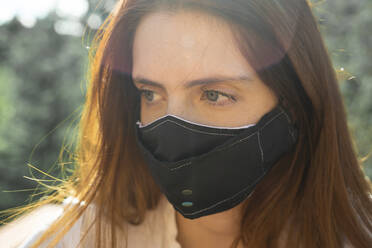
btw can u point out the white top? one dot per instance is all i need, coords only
(159, 230)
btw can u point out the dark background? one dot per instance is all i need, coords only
(43, 71)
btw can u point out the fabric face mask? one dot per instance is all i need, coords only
(203, 170)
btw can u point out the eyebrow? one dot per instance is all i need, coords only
(200, 81)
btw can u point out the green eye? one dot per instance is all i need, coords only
(148, 94)
(212, 97)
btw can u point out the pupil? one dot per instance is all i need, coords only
(149, 95)
(213, 95)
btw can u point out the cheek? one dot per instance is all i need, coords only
(267, 98)
(254, 106)
(146, 115)
(150, 113)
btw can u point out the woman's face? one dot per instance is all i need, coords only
(194, 71)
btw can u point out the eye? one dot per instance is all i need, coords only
(212, 97)
(148, 95)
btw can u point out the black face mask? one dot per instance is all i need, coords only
(203, 170)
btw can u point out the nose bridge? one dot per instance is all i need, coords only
(175, 106)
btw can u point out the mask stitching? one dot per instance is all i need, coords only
(276, 116)
(243, 139)
(193, 123)
(189, 128)
(192, 129)
(260, 145)
(188, 163)
(238, 141)
(227, 199)
(286, 115)
(292, 134)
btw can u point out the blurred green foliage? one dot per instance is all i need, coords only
(40, 78)
(346, 28)
(42, 87)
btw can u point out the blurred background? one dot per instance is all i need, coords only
(44, 47)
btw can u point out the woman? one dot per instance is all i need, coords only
(213, 123)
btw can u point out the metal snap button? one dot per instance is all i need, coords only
(187, 204)
(187, 192)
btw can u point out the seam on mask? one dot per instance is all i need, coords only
(260, 145)
(189, 128)
(275, 117)
(244, 139)
(199, 124)
(286, 115)
(289, 120)
(238, 141)
(188, 163)
(227, 199)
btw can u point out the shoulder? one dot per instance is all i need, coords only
(24, 231)
(158, 229)
(28, 226)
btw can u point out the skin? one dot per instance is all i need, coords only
(173, 49)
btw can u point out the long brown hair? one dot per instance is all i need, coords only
(317, 193)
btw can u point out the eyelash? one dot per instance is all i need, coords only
(231, 97)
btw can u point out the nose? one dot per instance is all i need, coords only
(176, 107)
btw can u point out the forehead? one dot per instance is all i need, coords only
(170, 47)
